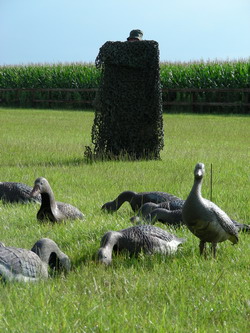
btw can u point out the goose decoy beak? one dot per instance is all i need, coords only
(35, 191)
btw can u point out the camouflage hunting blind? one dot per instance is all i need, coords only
(128, 106)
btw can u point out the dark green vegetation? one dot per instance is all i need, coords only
(183, 293)
(214, 74)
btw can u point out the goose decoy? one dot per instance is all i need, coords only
(146, 238)
(136, 200)
(241, 226)
(50, 209)
(166, 212)
(12, 192)
(18, 264)
(170, 213)
(204, 219)
(163, 215)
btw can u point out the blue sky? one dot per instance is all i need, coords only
(52, 31)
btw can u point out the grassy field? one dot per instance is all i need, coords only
(182, 293)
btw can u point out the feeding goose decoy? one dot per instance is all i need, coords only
(17, 264)
(50, 209)
(204, 219)
(146, 238)
(136, 200)
(13, 192)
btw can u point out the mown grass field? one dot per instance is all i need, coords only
(182, 293)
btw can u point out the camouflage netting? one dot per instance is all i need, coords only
(128, 118)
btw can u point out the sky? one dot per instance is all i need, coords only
(66, 31)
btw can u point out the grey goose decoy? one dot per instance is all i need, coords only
(50, 209)
(136, 200)
(170, 213)
(204, 219)
(14, 192)
(166, 212)
(17, 264)
(146, 238)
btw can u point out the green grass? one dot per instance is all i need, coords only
(182, 293)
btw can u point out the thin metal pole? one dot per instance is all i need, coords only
(211, 182)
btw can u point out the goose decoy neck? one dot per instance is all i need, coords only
(199, 171)
(42, 186)
(108, 241)
(116, 204)
(50, 254)
(43, 249)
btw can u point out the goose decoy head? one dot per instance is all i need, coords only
(199, 171)
(108, 242)
(109, 206)
(105, 256)
(40, 185)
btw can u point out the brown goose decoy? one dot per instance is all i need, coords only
(204, 219)
(12, 192)
(50, 209)
(18, 264)
(136, 200)
(146, 238)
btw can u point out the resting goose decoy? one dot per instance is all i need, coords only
(13, 192)
(136, 200)
(166, 212)
(204, 219)
(146, 238)
(18, 264)
(50, 209)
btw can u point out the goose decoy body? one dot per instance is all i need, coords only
(136, 200)
(146, 238)
(13, 192)
(166, 212)
(50, 209)
(241, 226)
(170, 213)
(204, 219)
(18, 264)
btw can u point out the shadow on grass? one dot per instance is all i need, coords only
(55, 163)
(71, 162)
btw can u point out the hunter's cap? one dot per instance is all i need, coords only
(135, 34)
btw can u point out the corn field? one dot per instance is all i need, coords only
(214, 74)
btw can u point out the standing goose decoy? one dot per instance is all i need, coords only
(12, 192)
(204, 219)
(18, 264)
(170, 213)
(50, 209)
(146, 238)
(136, 200)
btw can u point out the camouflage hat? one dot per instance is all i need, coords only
(135, 34)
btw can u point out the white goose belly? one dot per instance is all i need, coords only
(164, 247)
